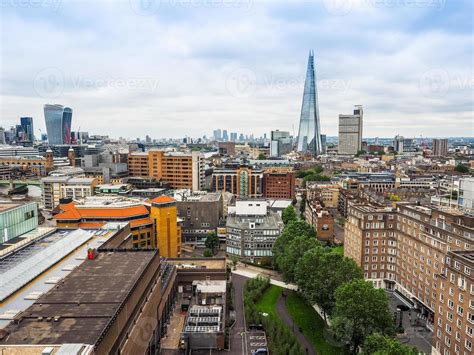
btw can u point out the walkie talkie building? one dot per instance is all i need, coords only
(309, 133)
(58, 123)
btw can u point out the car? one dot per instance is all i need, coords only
(256, 327)
(260, 351)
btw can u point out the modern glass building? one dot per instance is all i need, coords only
(58, 123)
(66, 126)
(309, 134)
(27, 125)
(16, 220)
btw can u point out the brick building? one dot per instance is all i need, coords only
(409, 249)
(280, 185)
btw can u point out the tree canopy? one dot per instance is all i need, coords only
(320, 274)
(359, 311)
(461, 168)
(212, 242)
(289, 214)
(379, 344)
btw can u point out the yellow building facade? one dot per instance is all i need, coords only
(164, 214)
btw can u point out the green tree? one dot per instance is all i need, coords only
(332, 271)
(360, 152)
(318, 169)
(293, 251)
(291, 230)
(208, 253)
(379, 344)
(303, 205)
(394, 198)
(461, 168)
(359, 311)
(289, 214)
(212, 242)
(261, 156)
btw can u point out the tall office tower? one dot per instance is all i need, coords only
(27, 125)
(58, 123)
(217, 135)
(309, 136)
(66, 126)
(440, 147)
(350, 132)
(233, 136)
(324, 146)
(2, 135)
(280, 143)
(225, 136)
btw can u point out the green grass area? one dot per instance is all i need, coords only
(339, 249)
(267, 304)
(311, 323)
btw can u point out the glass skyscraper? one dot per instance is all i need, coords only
(58, 123)
(309, 134)
(27, 126)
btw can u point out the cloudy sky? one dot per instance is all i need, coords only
(175, 68)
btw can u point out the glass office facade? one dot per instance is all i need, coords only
(17, 220)
(27, 125)
(58, 123)
(309, 134)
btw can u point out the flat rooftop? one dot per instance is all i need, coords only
(194, 263)
(79, 308)
(4, 206)
(39, 274)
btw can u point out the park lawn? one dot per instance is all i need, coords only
(312, 325)
(267, 304)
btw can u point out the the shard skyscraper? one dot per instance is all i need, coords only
(309, 134)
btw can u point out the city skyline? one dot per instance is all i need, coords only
(245, 68)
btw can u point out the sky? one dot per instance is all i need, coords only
(176, 68)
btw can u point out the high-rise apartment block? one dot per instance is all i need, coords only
(180, 170)
(440, 147)
(350, 132)
(410, 249)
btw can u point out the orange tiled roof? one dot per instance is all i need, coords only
(163, 199)
(140, 222)
(73, 212)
